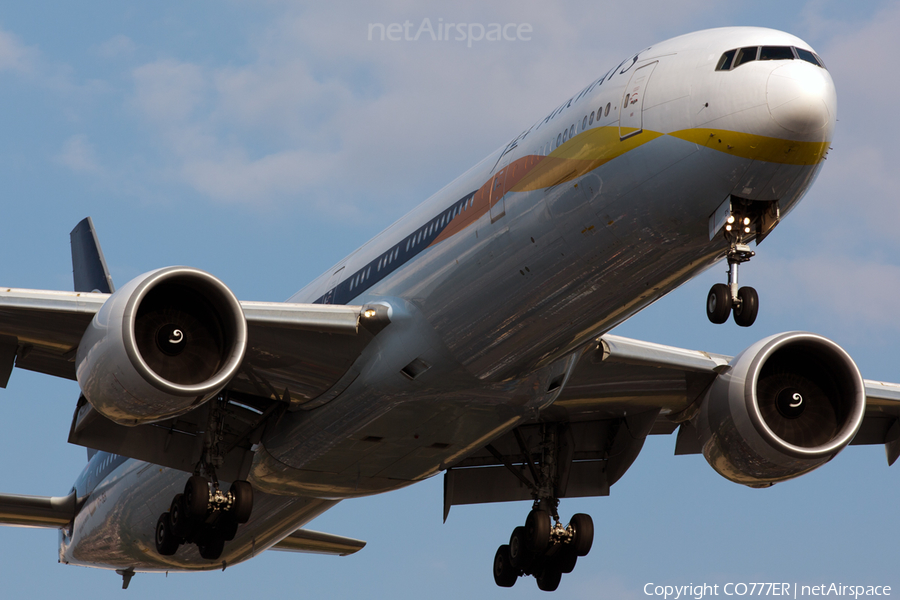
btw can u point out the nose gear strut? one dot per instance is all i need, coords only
(742, 302)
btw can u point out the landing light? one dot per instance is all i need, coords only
(746, 230)
(746, 220)
(370, 312)
(730, 219)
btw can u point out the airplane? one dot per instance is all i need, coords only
(470, 338)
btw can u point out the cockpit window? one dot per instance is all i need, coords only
(776, 53)
(734, 58)
(725, 61)
(745, 55)
(809, 57)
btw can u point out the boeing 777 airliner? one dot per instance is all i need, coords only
(470, 338)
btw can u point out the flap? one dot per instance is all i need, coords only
(315, 542)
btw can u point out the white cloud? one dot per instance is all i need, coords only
(168, 91)
(14, 56)
(78, 154)
(854, 294)
(118, 46)
(395, 120)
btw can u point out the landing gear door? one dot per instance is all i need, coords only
(631, 115)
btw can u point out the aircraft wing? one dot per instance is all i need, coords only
(298, 357)
(620, 391)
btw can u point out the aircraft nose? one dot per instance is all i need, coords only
(801, 97)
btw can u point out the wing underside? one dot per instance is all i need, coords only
(298, 356)
(620, 391)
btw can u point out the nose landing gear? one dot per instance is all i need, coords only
(741, 302)
(723, 299)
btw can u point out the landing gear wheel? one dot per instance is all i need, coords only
(718, 303)
(584, 534)
(504, 573)
(520, 554)
(537, 530)
(566, 560)
(243, 501)
(745, 312)
(166, 540)
(212, 547)
(196, 497)
(229, 529)
(178, 517)
(549, 579)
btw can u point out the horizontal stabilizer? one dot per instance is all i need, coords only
(316, 542)
(37, 511)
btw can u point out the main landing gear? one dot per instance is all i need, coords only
(543, 547)
(205, 516)
(543, 550)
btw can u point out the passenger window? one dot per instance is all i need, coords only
(584, 122)
(558, 140)
(591, 122)
(744, 56)
(725, 61)
(565, 135)
(776, 53)
(608, 105)
(572, 131)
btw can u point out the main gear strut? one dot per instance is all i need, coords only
(204, 514)
(542, 547)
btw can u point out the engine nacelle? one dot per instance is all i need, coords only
(160, 346)
(788, 404)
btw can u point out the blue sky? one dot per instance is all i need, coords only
(264, 141)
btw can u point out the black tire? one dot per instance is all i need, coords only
(178, 518)
(584, 534)
(745, 312)
(537, 531)
(196, 497)
(520, 554)
(566, 559)
(718, 303)
(505, 574)
(229, 529)
(242, 505)
(166, 541)
(549, 578)
(212, 547)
